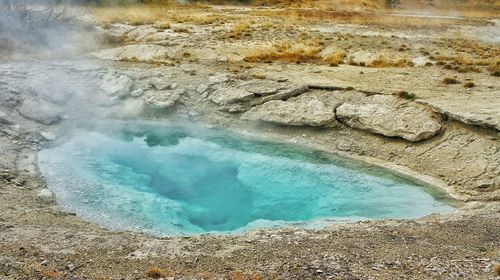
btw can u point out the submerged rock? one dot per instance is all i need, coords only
(390, 116)
(40, 111)
(119, 86)
(292, 112)
(162, 99)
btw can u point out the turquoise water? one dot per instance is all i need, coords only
(172, 181)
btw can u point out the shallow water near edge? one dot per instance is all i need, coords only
(178, 181)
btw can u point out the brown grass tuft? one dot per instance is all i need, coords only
(494, 68)
(181, 30)
(198, 19)
(155, 272)
(382, 62)
(496, 270)
(335, 58)
(240, 29)
(285, 52)
(163, 25)
(469, 85)
(406, 95)
(131, 14)
(49, 274)
(450, 81)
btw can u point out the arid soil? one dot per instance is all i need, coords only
(419, 99)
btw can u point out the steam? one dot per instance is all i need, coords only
(43, 47)
(36, 28)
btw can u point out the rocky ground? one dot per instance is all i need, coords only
(399, 97)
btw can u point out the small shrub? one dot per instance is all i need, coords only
(382, 62)
(163, 25)
(450, 81)
(241, 28)
(494, 68)
(469, 85)
(335, 58)
(406, 95)
(181, 30)
(155, 272)
(286, 53)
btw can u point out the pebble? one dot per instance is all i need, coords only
(71, 267)
(49, 136)
(137, 92)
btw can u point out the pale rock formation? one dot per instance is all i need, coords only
(136, 53)
(162, 99)
(230, 95)
(390, 116)
(4, 118)
(119, 86)
(256, 92)
(40, 111)
(298, 112)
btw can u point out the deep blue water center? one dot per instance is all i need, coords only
(175, 181)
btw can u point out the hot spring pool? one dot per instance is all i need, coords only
(171, 181)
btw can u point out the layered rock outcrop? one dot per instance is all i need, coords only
(293, 113)
(390, 116)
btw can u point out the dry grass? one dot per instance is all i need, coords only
(336, 58)
(354, 17)
(461, 64)
(286, 52)
(494, 68)
(406, 95)
(496, 269)
(181, 30)
(469, 85)
(450, 81)
(241, 28)
(383, 62)
(198, 19)
(49, 274)
(163, 25)
(155, 272)
(132, 14)
(166, 12)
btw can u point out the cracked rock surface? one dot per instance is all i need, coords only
(294, 112)
(390, 116)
